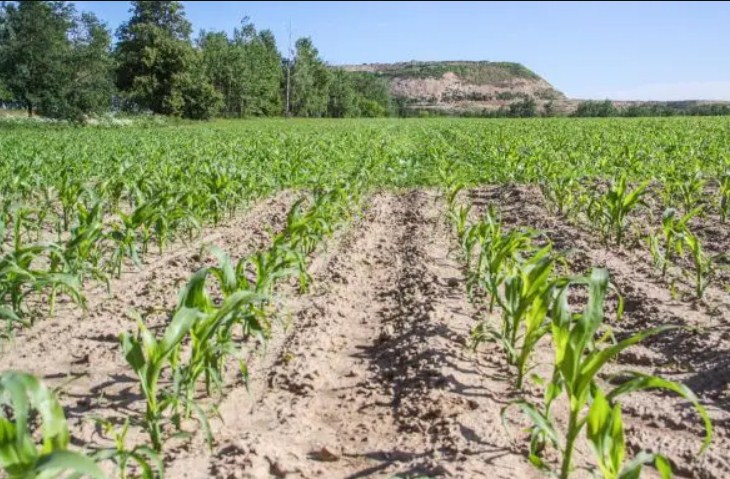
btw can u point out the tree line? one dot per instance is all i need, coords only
(58, 62)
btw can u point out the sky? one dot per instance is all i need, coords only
(588, 50)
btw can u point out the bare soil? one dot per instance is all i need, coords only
(372, 377)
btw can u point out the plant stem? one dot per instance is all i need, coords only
(570, 444)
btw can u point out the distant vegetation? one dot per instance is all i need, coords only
(60, 63)
(607, 108)
(473, 72)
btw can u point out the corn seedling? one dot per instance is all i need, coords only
(148, 357)
(19, 278)
(611, 210)
(689, 188)
(211, 333)
(605, 434)
(147, 460)
(579, 359)
(703, 264)
(23, 395)
(673, 231)
(724, 196)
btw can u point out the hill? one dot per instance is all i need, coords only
(475, 86)
(462, 85)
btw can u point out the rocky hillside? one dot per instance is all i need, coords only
(462, 85)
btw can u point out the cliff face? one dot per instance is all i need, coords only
(462, 85)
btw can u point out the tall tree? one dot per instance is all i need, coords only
(270, 74)
(54, 61)
(246, 69)
(157, 65)
(310, 81)
(220, 64)
(33, 51)
(372, 94)
(342, 96)
(90, 85)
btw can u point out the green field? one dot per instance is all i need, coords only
(397, 152)
(553, 229)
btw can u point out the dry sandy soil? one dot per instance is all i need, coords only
(373, 378)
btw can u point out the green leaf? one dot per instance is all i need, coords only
(58, 461)
(642, 381)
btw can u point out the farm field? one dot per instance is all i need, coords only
(367, 298)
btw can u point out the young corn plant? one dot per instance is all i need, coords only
(674, 229)
(460, 221)
(81, 253)
(497, 253)
(211, 334)
(451, 193)
(579, 359)
(147, 460)
(69, 193)
(528, 292)
(148, 357)
(19, 278)
(703, 264)
(605, 434)
(125, 236)
(611, 210)
(724, 192)
(689, 189)
(559, 193)
(22, 397)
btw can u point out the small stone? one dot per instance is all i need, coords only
(324, 454)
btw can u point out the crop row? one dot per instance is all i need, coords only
(517, 272)
(221, 309)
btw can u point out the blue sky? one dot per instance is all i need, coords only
(621, 50)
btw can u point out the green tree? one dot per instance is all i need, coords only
(372, 95)
(596, 108)
(200, 99)
(310, 81)
(90, 85)
(54, 61)
(260, 70)
(270, 73)
(524, 108)
(33, 51)
(245, 69)
(342, 97)
(157, 66)
(220, 63)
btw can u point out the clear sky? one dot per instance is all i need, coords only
(617, 50)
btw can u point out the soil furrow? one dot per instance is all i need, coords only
(374, 380)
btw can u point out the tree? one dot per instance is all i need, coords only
(270, 73)
(372, 94)
(54, 61)
(33, 51)
(260, 73)
(220, 63)
(310, 81)
(342, 97)
(245, 69)
(523, 109)
(596, 108)
(158, 68)
(90, 85)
